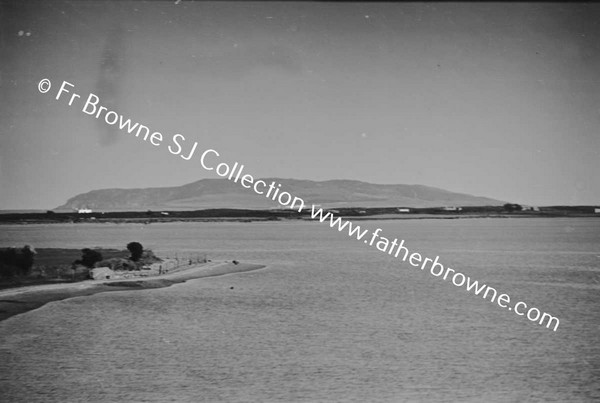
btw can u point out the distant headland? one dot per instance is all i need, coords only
(224, 194)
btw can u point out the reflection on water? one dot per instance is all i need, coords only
(329, 319)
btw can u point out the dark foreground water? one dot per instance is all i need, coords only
(329, 319)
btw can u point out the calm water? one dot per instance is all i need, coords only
(329, 319)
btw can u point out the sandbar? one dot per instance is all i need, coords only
(23, 299)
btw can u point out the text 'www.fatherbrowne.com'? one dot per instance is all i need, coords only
(210, 160)
(398, 250)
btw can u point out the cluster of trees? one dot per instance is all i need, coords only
(16, 262)
(90, 257)
(138, 257)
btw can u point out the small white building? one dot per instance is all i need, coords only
(452, 208)
(403, 210)
(84, 210)
(102, 273)
(597, 210)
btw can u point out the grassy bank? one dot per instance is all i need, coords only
(53, 265)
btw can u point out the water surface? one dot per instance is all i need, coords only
(329, 319)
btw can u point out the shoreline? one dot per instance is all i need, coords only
(19, 300)
(416, 216)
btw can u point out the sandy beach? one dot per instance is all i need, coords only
(23, 299)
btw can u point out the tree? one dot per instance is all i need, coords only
(25, 259)
(16, 261)
(136, 249)
(8, 259)
(89, 257)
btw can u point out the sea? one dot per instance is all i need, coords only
(329, 319)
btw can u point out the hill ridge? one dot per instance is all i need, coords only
(221, 193)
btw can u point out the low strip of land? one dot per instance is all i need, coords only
(247, 215)
(23, 299)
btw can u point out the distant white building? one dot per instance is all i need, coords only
(84, 210)
(597, 210)
(452, 208)
(403, 210)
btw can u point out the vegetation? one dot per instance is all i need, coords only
(139, 257)
(118, 264)
(89, 257)
(136, 250)
(55, 265)
(16, 262)
(512, 207)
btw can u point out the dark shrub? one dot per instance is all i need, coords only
(16, 261)
(25, 260)
(136, 249)
(89, 257)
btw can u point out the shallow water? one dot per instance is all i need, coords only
(329, 319)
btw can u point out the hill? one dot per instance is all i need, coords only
(221, 193)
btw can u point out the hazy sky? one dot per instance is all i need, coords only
(497, 100)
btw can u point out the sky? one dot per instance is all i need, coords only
(492, 99)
